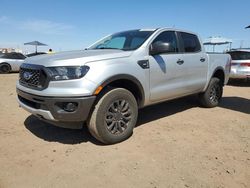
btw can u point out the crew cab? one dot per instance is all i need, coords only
(104, 85)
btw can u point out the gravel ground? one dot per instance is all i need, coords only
(175, 144)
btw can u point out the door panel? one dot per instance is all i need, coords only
(15, 64)
(178, 74)
(194, 71)
(165, 79)
(165, 82)
(196, 62)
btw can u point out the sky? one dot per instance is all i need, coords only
(71, 25)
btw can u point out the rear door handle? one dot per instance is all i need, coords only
(180, 62)
(202, 59)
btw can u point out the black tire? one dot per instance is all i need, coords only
(212, 96)
(114, 116)
(5, 68)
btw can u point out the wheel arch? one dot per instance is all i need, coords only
(128, 82)
(6, 63)
(220, 74)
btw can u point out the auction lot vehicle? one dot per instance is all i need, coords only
(240, 68)
(104, 85)
(10, 62)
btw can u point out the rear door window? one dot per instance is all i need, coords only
(15, 56)
(8, 56)
(190, 42)
(20, 56)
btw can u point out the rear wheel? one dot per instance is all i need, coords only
(212, 96)
(114, 116)
(5, 68)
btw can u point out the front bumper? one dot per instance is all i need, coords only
(52, 109)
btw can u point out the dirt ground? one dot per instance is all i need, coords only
(175, 144)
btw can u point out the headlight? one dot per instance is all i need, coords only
(67, 73)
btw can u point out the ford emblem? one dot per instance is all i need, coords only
(27, 75)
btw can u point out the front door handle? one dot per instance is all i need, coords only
(202, 59)
(180, 62)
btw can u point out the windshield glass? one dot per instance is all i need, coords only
(128, 40)
(240, 55)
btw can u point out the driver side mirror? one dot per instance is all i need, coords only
(160, 48)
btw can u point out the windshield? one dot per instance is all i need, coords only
(240, 55)
(128, 40)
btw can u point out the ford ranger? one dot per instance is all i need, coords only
(104, 85)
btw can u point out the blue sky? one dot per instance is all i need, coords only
(70, 25)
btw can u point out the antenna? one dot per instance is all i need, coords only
(241, 43)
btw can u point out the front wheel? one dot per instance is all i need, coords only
(114, 116)
(212, 96)
(5, 68)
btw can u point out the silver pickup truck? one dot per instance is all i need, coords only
(104, 85)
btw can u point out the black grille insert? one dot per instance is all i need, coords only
(33, 76)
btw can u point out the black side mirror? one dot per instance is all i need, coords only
(160, 48)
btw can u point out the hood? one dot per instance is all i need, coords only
(75, 58)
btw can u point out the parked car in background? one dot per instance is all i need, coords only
(240, 68)
(35, 54)
(10, 62)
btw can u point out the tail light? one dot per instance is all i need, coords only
(245, 64)
(229, 64)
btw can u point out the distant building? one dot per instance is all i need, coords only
(8, 50)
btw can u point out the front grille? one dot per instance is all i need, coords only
(33, 76)
(33, 80)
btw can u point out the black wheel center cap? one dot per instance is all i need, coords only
(118, 116)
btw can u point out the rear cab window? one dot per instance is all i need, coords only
(189, 42)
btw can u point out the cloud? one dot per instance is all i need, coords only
(3, 19)
(47, 27)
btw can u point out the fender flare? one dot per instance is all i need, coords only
(218, 68)
(211, 76)
(129, 78)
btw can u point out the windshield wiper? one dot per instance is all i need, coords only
(107, 48)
